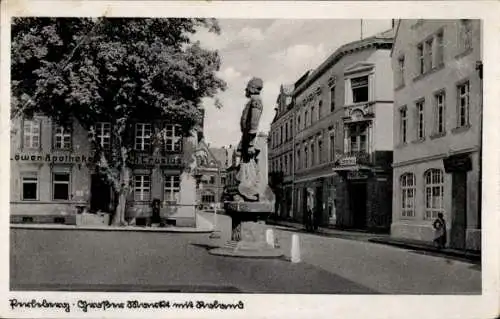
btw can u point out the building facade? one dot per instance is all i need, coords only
(54, 175)
(437, 124)
(342, 137)
(212, 176)
(281, 152)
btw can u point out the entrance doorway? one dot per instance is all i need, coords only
(459, 209)
(100, 194)
(357, 204)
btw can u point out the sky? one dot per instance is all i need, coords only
(277, 51)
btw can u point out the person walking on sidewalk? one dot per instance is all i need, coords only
(309, 210)
(439, 231)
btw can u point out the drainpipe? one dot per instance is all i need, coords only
(292, 206)
(479, 68)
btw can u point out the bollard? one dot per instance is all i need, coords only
(270, 238)
(295, 253)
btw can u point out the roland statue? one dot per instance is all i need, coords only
(249, 159)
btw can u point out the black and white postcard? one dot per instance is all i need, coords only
(225, 159)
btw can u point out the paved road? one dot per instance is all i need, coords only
(167, 262)
(84, 260)
(382, 268)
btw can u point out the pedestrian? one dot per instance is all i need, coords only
(439, 231)
(310, 210)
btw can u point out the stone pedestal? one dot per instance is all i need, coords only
(247, 238)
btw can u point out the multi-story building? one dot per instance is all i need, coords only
(437, 123)
(212, 176)
(342, 136)
(280, 161)
(54, 176)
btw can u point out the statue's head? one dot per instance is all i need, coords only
(254, 86)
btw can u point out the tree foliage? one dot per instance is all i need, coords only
(116, 70)
(112, 68)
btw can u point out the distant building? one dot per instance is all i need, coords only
(341, 137)
(281, 151)
(212, 176)
(437, 124)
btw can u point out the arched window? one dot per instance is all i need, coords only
(434, 193)
(407, 185)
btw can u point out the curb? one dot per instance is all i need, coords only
(111, 228)
(470, 256)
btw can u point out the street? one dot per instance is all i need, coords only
(170, 262)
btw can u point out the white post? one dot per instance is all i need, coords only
(295, 253)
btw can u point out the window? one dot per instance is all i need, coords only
(313, 161)
(223, 180)
(286, 131)
(320, 109)
(103, 134)
(332, 148)
(208, 198)
(290, 129)
(298, 123)
(463, 104)
(211, 180)
(306, 156)
(332, 99)
(290, 162)
(434, 193)
(407, 184)
(312, 114)
(428, 55)
(281, 134)
(305, 118)
(359, 89)
(142, 136)
(440, 113)
(142, 185)
(172, 188)
(465, 34)
(31, 134)
(439, 49)
(320, 150)
(420, 58)
(297, 160)
(358, 136)
(404, 124)
(60, 186)
(420, 120)
(286, 165)
(62, 138)
(173, 138)
(30, 186)
(401, 71)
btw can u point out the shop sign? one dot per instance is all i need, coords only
(356, 175)
(348, 161)
(52, 158)
(157, 160)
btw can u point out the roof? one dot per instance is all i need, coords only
(221, 156)
(382, 38)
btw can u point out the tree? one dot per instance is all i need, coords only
(115, 70)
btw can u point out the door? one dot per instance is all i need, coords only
(357, 204)
(318, 212)
(459, 210)
(100, 194)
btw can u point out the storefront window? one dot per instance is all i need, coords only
(142, 186)
(60, 186)
(62, 138)
(434, 193)
(172, 188)
(30, 187)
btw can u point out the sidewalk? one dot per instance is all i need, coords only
(383, 239)
(203, 226)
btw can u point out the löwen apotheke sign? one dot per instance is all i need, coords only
(173, 160)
